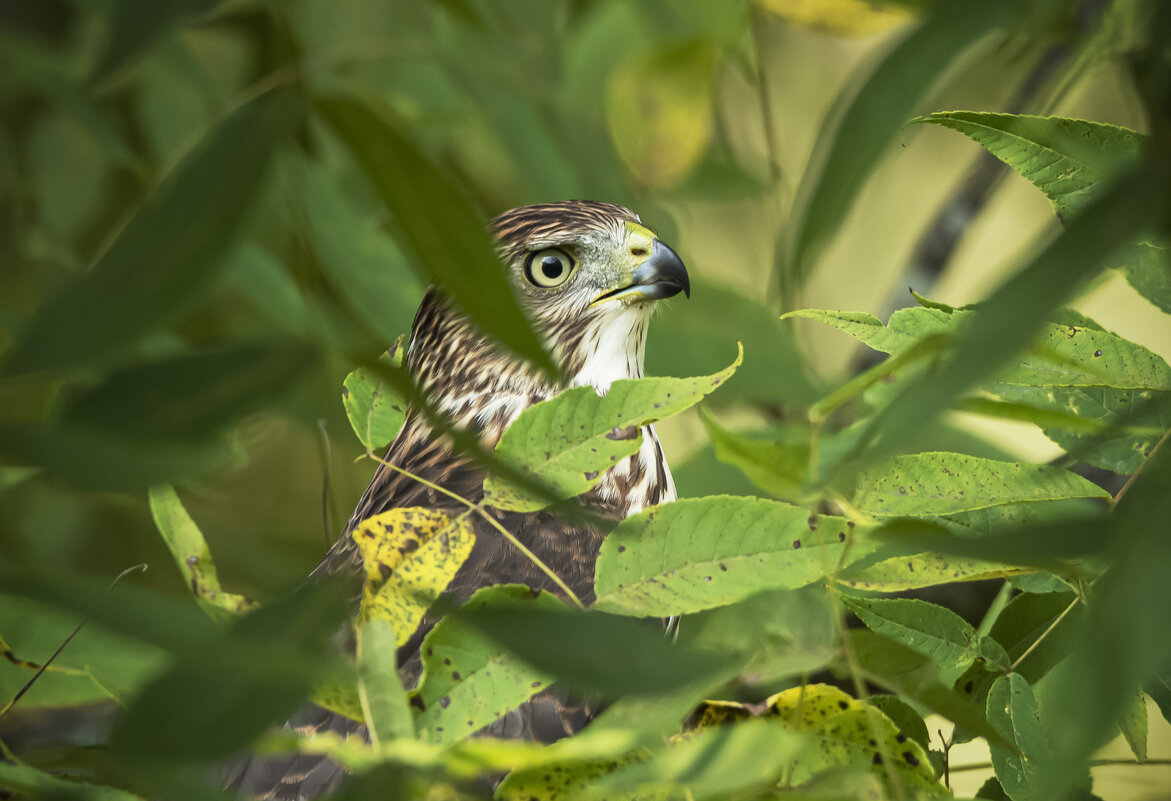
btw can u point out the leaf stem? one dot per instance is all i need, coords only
(492, 521)
(1044, 634)
(1094, 763)
(1125, 487)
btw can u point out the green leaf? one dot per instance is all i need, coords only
(946, 483)
(192, 556)
(1133, 725)
(29, 782)
(468, 682)
(908, 721)
(384, 703)
(717, 762)
(1128, 422)
(700, 553)
(937, 633)
(192, 395)
(696, 337)
(362, 263)
(96, 665)
(1148, 270)
(851, 732)
(914, 677)
(1009, 319)
(1061, 356)
(440, 228)
(598, 653)
(167, 256)
(774, 466)
(135, 24)
(567, 441)
(410, 556)
(1068, 160)
(1012, 711)
(376, 410)
(866, 123)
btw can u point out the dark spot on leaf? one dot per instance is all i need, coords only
(796, 543)
(447, 660)
(445, 702)
(591, 475)
(417, 702)
(621, 549)
(707, 578)
(455, 675)
(877, 759)
(850, 523)
(968, 687)
(843, 705)
(384, 570)
(902, 738)
(192, 559)
(629, 432)
(1097, 354)
(536, 684)
(812, 521)
(912, 760)
(841, 536)
(723, 567)
(345, 393)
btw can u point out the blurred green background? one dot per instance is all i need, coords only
(702, 116)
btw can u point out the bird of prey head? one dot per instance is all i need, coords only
(587, 274)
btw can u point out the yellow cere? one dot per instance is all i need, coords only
(640, 237)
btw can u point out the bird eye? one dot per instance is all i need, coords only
(548, 268)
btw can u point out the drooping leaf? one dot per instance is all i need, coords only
(567, 441)
(375, 409)
(1067, 159)
(1133, 725)
(946, 483)
(440, 228)
(384, 703)
(701, 553)
(1012, 710)
(167, 255)
(850, 732)
(903, 715)
(866, 122)
(776, 467)
(937, 633)
(409, 555)
(469, 681)
(1148, 270)
(192, 556)
(598, 653)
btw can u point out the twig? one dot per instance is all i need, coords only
(1044, 634)
(484, 513)
(1125, 487)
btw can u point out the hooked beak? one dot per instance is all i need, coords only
(662, 275)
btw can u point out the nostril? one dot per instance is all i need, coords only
(638, 251)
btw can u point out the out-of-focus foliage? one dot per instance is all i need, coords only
(217, 216)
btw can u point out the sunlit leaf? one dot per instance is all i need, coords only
(776, 467)
(375, 409)
(840, 17)
(168, 254)
(713, 763)
(567, 441)
(468, 680)
(658, 106)
(192, 556)
(444, 233)
(850, 732)
(409, 555)
(700, 553)
(946, 483)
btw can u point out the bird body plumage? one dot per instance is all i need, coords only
(594, 321)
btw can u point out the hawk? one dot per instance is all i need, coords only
(588, 275)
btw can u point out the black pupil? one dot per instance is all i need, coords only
(551, 267)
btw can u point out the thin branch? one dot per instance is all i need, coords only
(1125, 487)
(1094, 763)
(1044, 634)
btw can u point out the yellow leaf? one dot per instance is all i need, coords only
(410, 556)
(840, 17)
(658, 107)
